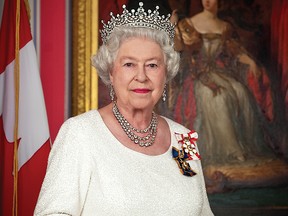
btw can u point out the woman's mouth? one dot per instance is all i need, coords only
(141, 91)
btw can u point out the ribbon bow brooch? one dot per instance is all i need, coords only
(188, 152)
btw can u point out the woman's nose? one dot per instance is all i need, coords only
(141, 74)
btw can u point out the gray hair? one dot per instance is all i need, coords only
(106, 55)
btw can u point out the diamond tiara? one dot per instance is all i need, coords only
(138, 18)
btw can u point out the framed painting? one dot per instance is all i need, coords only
(232, 88)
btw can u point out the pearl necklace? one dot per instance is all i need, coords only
(150, 131)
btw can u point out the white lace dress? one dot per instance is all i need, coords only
(91, 173)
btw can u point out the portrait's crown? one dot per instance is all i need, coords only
(138, 18)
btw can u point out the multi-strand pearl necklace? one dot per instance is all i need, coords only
(150, 131)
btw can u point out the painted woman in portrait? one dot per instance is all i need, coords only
(222, 92)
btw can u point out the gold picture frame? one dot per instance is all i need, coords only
(85, 44)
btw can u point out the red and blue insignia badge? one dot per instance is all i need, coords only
(188, 151)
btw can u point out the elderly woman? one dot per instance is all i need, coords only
(124, 159)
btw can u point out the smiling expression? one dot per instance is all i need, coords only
(139, 73)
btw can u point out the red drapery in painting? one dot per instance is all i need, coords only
(105, 7)
(279, 45)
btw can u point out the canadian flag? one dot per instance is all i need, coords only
(33, 133)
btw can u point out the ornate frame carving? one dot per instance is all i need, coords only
(84, 45)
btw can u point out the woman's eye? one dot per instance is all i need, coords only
(152, 65)
(128, 64)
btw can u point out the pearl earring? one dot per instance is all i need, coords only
(164, 94)
(112, 93)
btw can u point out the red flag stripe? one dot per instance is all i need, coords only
(7, 43)
(33, 131)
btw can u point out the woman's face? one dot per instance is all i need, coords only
(210, 5)
(139, 73)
